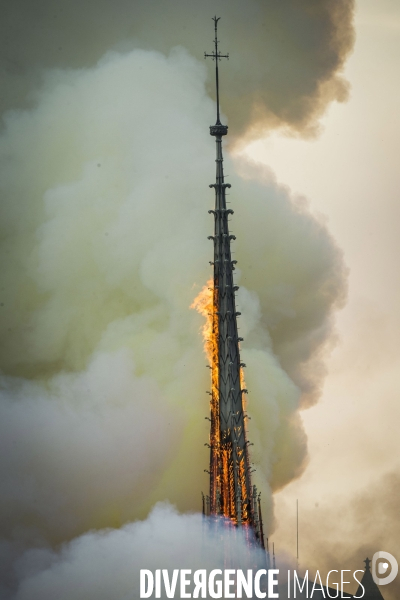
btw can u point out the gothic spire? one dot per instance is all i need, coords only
(231, 492)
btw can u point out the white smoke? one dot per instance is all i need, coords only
(106, 564)
(104, 239)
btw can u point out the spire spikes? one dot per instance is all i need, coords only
(216, 55)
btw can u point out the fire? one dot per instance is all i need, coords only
(222, 492)
(205, 304)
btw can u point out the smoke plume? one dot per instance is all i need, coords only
(103, 565)
(104, 231)
(286, 63)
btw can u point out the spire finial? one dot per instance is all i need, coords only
(216, 55)
(367, 563)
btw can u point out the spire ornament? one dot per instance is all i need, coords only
(216, 55)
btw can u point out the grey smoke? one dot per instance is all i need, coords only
(287, 56)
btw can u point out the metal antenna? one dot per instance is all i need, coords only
(297, 532)
(216, 55)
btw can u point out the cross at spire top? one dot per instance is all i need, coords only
(216, 55)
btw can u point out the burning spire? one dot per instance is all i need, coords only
(232, 494)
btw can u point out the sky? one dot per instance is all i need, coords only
(350, 174)
(104, 249)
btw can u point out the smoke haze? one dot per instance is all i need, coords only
(104, 230)
(352, 528)
(286, 63)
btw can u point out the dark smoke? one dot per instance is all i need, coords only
(286, 55)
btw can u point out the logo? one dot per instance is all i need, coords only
(383, 560)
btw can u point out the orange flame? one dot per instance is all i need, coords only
(205, 304)
(221, 466)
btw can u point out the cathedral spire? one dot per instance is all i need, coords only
(231, 492)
